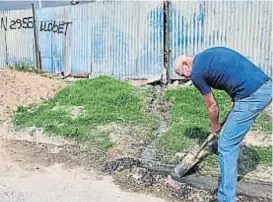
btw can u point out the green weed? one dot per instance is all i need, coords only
(76, 109)
(263, 123)
(25, 68)
(265, 155)
(253, 157)
(190, 121)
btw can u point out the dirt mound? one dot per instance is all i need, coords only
(23, 88)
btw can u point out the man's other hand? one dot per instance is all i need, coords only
(216, 128)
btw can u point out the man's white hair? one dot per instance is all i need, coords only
(180, 61)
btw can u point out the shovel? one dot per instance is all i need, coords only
(192, 158)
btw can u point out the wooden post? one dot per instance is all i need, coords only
(166, 41)
(6, 50)
(68, 68)
(37, 52)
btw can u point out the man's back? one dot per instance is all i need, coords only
(225, 69)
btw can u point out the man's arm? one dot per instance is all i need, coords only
(200, 83)
(213, 111)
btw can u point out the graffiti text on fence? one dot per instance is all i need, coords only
(53, 26)
(27, 23)
(19, 23)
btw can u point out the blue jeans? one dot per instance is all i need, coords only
(238, 123)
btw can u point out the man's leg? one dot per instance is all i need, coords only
(229, 148)
(238, 124)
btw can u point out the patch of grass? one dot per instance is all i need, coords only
(211, 161)
(265, 154)
(253, 157)
(26, 68)
(263, 123)
(102, 100)
(190, 120)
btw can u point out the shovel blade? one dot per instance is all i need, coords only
(192, 157)
(187, 163)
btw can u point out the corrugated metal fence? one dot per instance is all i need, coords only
(121, 39)
(245, 26)
(126, 39)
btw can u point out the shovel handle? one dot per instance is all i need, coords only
(207, 140)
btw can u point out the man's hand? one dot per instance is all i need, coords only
(216, 128)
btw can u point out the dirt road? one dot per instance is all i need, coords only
(36, 170)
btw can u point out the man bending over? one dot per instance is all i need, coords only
(251, 91)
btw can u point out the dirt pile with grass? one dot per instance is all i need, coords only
(23, 88)
(103, 111)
